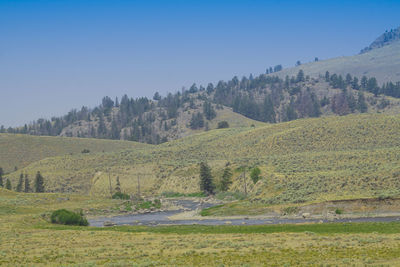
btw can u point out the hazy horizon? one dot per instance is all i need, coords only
(61, 55)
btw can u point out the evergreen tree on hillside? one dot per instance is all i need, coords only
(372, 86)
(355, 84)
(101, 129)
(8, 184)
(349, 79)
(197, 121)
(115, 132)
(210, 88)
(290, 113)
(206, 183)
(327, 76)
(209, 111)
(300, 76)
(226, 179)
(27, 187)
(39, 183)
(157, 96)
(268, 112)
(1, 177)
(118, 186)
(361, 104)
(364, 82)
(20, 183)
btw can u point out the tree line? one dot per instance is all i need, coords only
(209, 185)
(24, 184)
(264, 98)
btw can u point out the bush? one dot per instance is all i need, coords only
(148, 204)
(85, 151)
(339, 211)
(67, 217)
(290, 210)
(119, 195)
(255, 175)
(223, 124)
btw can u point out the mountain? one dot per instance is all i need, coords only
(304, 160)
(380, 60)
(385, 39)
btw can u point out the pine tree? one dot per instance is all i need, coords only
(300, 76)
(206, 183)
(226, 179)
(1, 177)
(268, 112)
(27, 188)
(209, 111)
(361, 104)
(20, 183)
(39, 183)
(327, 76)
(8, 184)
(118, 186)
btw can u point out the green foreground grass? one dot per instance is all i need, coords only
(312, 228)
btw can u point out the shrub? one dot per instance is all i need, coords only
(85, 151)
(120, 195)
(290, 210)
(339, 211)
(223, 124)
(148, 204)
(67, 217)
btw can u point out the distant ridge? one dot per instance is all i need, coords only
(385, 39)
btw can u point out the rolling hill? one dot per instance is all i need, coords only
(382, 62)
(301, 161)
(18, 150)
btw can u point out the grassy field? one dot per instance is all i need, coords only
(28, 239)
(301, 161)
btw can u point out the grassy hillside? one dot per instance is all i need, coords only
(301, 161)
(382, 63)
(20, 150)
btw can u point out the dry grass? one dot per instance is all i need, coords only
(301, 161)
(19, 150)
(27, 240)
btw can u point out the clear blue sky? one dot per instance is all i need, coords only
(58, 55)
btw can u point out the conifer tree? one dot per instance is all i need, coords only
(268, 112)
(361, 104)
(300, 76)
(27, 188)
(206, 183)
(118, 186)
(327, 76)
(226, 179)
(8, 184)
(39, 183)
(1, 177)
(20, 183)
